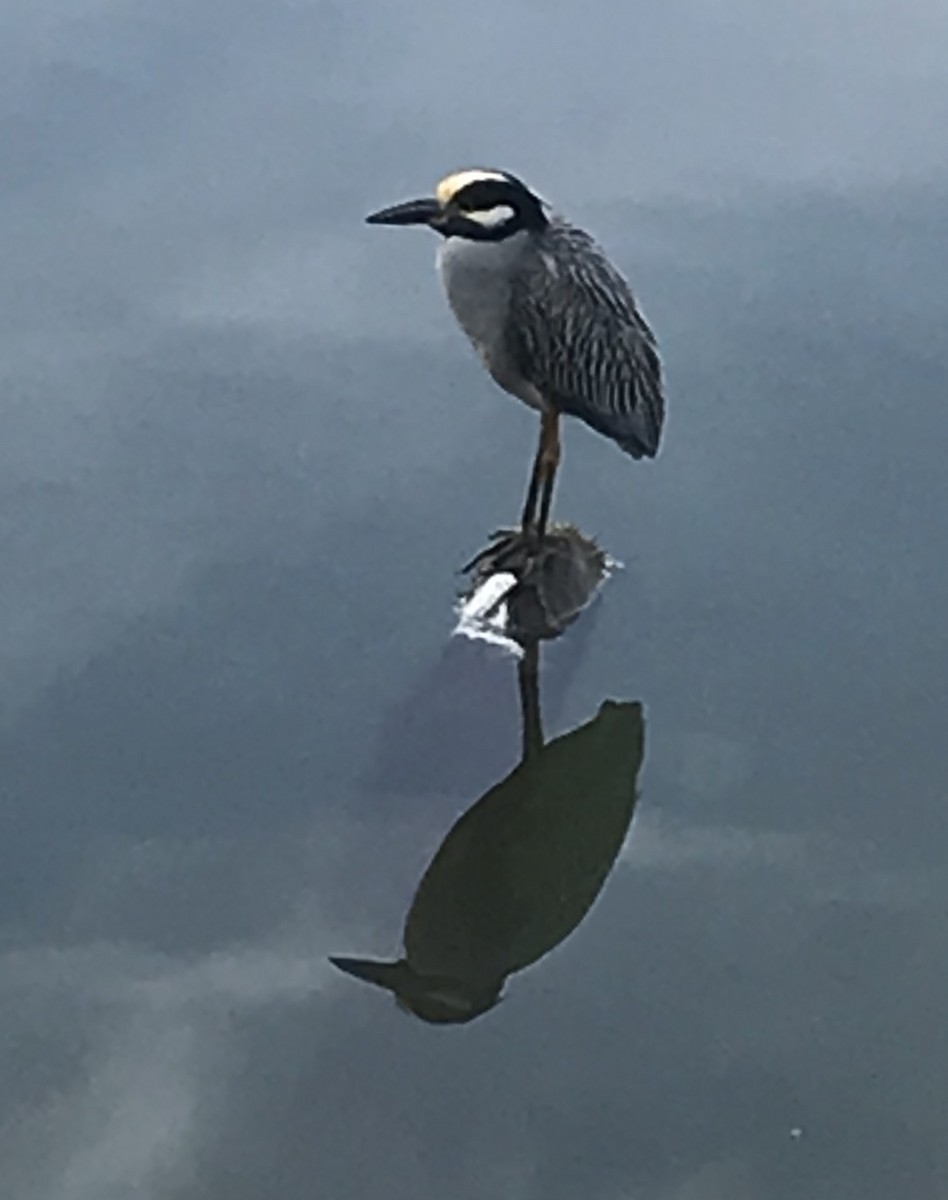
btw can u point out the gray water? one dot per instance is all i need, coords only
(243, 455)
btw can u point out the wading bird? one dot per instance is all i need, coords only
(552, 319)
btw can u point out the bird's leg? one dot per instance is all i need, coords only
(510, 546)
(533, 490)
(550, 449)
(542, 476)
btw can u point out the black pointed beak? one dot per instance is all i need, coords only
(413, 212)
(383, 974)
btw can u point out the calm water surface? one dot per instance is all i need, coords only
(237, 730)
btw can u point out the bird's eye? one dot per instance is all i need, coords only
(478, 197)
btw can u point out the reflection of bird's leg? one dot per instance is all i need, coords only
(544, 473)
(528, 676)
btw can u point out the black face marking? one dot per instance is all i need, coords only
(483, 195)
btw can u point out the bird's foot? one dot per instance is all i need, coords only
(550, 578)
(512, 550)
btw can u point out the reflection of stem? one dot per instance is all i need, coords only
(528, 676)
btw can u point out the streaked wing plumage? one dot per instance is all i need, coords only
(580, 340)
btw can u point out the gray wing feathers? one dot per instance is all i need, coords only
(580, 340)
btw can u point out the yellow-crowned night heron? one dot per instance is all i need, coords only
(552, 319)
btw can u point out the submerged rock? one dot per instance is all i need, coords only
(520, 591)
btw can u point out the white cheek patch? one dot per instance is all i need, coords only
(492, 218)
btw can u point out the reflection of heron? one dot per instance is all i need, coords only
(521, 868)
(552, 319)
(461, 702)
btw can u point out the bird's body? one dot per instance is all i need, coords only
(554, 322)
(556, 325)
(478, 280)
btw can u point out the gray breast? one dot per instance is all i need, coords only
(477, 278)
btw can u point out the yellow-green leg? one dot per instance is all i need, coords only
(543, 475)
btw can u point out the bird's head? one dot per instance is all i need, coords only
(433, 998)
(481, 205)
